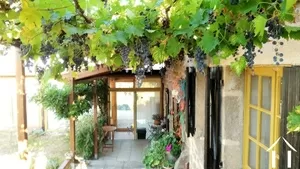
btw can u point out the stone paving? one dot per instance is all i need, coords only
(127, 154)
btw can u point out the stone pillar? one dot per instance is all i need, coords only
(232, 119)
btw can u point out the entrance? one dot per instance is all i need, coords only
(131, 108)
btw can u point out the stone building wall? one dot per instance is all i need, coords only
(232, 119)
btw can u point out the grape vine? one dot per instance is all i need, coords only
(139, 36)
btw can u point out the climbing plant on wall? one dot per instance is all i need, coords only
(137, 34)
(293, 120)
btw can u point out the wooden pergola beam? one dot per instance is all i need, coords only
(95, 103)
(21, 107)
(72, 121)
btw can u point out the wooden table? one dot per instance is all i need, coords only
(109, 133)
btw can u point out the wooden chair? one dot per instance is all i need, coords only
(109, 134)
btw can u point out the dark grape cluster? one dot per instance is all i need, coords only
(249, 53)
(234, 2)
(200, 57)
(47, 48)
(142, 50)
(124, 52)
(275, 29)
(25, 49)
(140, 75)
(212, 17)
(47, 27)
(278, 57)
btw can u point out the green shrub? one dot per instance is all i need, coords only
(53, 163)
(85, 134)
(293, 120)
(155, 154)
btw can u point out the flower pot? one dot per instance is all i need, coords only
(156, 122)
(170, 157)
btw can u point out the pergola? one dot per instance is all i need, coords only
(88, 76)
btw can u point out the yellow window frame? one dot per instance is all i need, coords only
(276, 74)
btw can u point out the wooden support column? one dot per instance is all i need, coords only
(95, 103)
(21, 106)
(72, 121)
(113, 102)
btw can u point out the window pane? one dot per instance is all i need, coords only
(254, 90)
(124, 84)
(253, 122)
(265, 129)
(264, 159)
(252, 154)
(151, 83)
(266, 92)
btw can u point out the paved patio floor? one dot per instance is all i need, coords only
(127, 154)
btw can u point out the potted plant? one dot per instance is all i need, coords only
(156, 118)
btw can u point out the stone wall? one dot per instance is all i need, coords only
(232, 119)
(231, 122)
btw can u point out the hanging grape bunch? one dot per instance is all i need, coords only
(200, 57)
(278, 55)
(275, 29)
(124, 52)
(249, 53)
(141, 48)
(140, 75)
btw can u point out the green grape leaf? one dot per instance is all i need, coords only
(293, 122)
(159, 54)
(237, 39)
(288, 4)
(295, 35)
(216, 60)
(132, 30)
(121, 36)
(242, 24)
(173, 47)
(290, 29)
(259, 25)
(239, 66)
(201, 17)
(208, 42)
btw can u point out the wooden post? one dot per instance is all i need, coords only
(95, 103)
(42, 119)
(72, 121)
(21, 106)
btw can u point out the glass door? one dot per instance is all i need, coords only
(125, 111)
(261, 127)
(148, 104)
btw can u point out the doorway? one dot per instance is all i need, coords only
(131, 108)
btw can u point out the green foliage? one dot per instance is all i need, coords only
(56, 98)
(169, 26)
(155, 154)
(293, 120)
(53, 163)
(85, 134)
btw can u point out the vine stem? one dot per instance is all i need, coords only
(53, 9)
(80, 11)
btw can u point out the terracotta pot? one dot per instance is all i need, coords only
(156, 122)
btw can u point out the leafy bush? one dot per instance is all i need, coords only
(56, 98)
(53, 163)
(293, 120)
(85, 134)
(155, 154)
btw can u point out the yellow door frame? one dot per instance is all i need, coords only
(275, 73)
